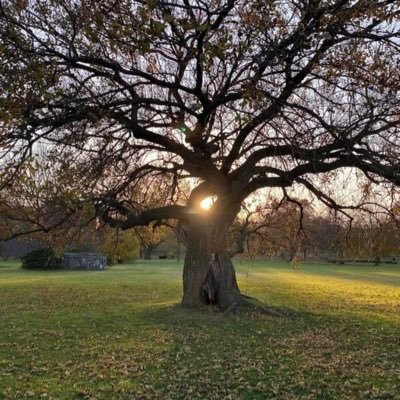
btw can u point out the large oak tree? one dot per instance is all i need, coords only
(234, 95)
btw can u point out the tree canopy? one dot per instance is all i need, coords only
(240, 94)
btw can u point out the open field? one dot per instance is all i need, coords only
(120, 334)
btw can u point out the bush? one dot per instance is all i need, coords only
(41, 259)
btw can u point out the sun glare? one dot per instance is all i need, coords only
(207, 203)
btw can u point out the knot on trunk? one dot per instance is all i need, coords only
(211, 283)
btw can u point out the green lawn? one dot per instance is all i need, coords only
(120, 334)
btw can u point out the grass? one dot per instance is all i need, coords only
(120, 334)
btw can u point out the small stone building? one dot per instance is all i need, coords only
(84, 261)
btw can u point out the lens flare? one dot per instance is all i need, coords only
(207, 203)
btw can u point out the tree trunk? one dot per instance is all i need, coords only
(178, 252)
(208, 275)
(147, 252)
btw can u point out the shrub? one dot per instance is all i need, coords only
(41, 259)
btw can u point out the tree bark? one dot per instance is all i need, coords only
(178, 252)
(208, 275)
(147, 252)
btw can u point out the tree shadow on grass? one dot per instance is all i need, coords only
(217, 355)
(168, 351)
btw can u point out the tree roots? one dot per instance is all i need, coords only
(252, 304)
(255, 305)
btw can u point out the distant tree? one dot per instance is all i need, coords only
(373, 237)
(235, 95)
(119, 246)
(150, 238)
(278, 228)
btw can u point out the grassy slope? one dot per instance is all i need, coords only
(120, 334)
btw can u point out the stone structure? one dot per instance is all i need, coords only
(84, 261)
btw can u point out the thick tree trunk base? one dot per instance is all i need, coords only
(209, 276)
(212, 282)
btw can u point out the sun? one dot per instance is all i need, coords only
(207, 203)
